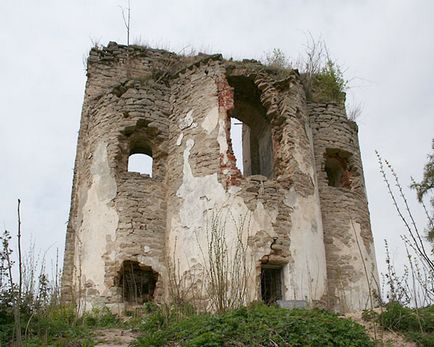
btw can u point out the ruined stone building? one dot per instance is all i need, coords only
(292, 226)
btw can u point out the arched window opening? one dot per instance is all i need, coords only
(337, 168)
(140, 159)
(137, 282)
(249, 114)
(141, 163)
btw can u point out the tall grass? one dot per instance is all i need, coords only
(30, 309)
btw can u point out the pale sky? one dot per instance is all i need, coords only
(385, 48)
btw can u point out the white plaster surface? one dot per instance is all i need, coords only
(187, 121)
(308, 278)
(211, 120)
(179, 139)
(99, 221)
(203, 197)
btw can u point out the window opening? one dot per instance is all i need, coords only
(271, 284)
(140, 159)
(141, 163)
(137, 282)
(237, 142)
(249, 114)
(334, 169)
(337, 168)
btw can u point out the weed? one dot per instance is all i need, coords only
(228, 268)
(416, 324)
(321, 76)
(416, 285)
(259, 325)
(369, 315)
(277, 60)
(354, 112)
(30, 306)
(329, 85)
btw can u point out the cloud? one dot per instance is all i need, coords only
(386, 45)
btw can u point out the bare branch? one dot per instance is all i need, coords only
(127, 19)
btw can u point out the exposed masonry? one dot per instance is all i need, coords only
(132, 238)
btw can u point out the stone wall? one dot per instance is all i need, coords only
(117, 215)
(351, 266)
(178, 109)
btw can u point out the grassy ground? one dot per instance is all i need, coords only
(416, 324)
(58, 326)
(256, 325)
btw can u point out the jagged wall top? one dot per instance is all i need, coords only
(172, 64)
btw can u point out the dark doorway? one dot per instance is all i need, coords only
(271, 284)
(137, 282)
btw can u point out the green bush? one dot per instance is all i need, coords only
(101, 318)
(6, 327)
(277, 60)
(329, 85)
(400, 318)
(257, 325)
(417, 325)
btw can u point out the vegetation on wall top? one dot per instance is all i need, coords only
(322, 78)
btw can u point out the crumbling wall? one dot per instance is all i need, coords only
(116, 215)
(351, 267)
(178, 110)
(282, 211)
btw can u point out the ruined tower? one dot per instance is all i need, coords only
(293, 226)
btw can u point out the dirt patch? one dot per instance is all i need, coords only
(114, 337)
(377, 333)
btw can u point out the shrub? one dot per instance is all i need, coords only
(6, 327)
(101, 317)
(321, 76)
(277, 60)
(329, 85)
(416, 324)
(258, 325)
